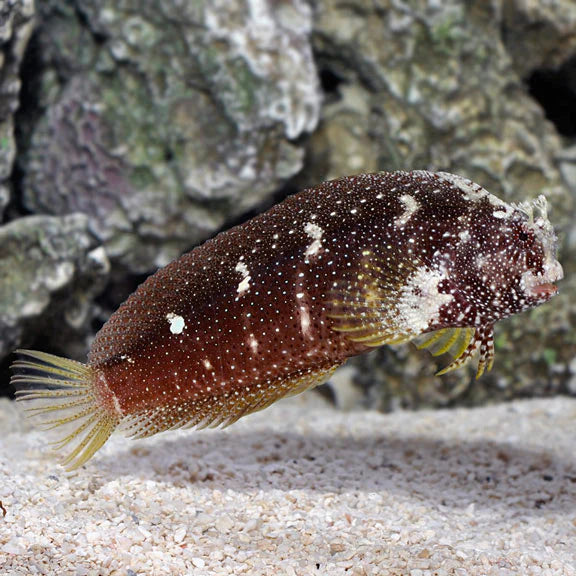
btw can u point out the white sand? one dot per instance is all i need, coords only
(302, 489)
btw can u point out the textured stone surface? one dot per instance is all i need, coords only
(537, 34)
(304, 490)
(51, 268)
(440, 91)
(15, 28)
(167, 118)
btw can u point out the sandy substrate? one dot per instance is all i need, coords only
(302, 489)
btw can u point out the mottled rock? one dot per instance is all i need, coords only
(51, 268)
(168, 118)
(15, 28)
(537, 34)
(433, 85)
(439, 92)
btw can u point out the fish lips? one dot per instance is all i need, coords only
(542, 286)
(543, 291)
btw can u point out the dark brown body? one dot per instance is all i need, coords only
(237, 341)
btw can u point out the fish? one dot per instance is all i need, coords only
(270, 308)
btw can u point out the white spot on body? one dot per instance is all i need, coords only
(464, 235)
(207, 364)
(244, 284)
(315, 232)
(177, 323)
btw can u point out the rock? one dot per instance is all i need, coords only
(439, 91)
(538, 35)
(51, 268)
(15, 28)
(170, 118)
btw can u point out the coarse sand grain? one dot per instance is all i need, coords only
(302, 489)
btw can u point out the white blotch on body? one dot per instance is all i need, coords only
(411, 206)
(464, 235)
(304, 320)
(471, 190)
(253, 343)
(315, 232)
(503, 211)
(552, 273)
(420, 302)
(103, 383)
(244, 284)
(177, 323)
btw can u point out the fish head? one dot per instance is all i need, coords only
(543, 269)
(514, 266)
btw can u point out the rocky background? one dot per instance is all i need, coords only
(132, 130)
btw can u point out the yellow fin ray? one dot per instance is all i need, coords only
(462, 344)
(447, 340)
(59, 394)
(90, 443)
(364, 303)
(54, 365)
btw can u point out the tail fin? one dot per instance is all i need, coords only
(60, 394)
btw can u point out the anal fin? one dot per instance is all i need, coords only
(224, 409)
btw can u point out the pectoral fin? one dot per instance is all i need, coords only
(364, 303)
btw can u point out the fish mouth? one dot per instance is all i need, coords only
(543, 291)
(542, 286)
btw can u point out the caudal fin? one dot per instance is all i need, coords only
(59, 394)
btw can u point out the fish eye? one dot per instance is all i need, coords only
(521, 234)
